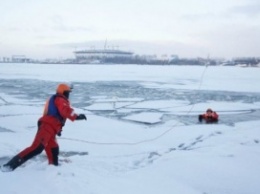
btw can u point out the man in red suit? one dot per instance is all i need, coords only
(209, 117)
(57, 109)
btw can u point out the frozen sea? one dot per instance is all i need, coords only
(142, 134)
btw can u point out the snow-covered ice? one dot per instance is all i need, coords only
(142, 134)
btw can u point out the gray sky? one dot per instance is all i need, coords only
(188, 28)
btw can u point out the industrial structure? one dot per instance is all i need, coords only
(102, 55)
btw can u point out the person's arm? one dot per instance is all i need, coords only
(201, 117)
(215, 116)
(64, 109)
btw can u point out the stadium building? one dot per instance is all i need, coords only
(101, 56)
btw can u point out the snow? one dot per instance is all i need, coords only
(148, 117)
(141, 135)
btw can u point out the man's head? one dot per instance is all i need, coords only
(64, 90)
(209, 110)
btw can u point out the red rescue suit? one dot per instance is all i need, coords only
(57, 110)
(209, 117)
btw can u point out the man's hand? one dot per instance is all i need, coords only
(81, 117)
(200, 117)
(59, 133)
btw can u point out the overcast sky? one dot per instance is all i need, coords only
(188, 28)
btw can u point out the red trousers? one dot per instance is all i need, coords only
(45, 139)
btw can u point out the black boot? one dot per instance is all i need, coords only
(13, 164)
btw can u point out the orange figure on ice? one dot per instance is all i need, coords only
(57, 109)
(209, 117)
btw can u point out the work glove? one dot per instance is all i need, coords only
(59, 133)
(81, 117)
(200, 118)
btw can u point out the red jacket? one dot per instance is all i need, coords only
(210, 117)
(64, 111)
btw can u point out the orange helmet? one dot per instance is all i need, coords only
(62, 88)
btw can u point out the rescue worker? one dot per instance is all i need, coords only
(57, 109)
(209, 117)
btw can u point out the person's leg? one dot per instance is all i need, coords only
(40, 141)
(35, 149)
(52, 151)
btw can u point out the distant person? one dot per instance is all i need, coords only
(209, 117)
(57, 109)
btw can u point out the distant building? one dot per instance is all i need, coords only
(6, 59)
(96, 56)
(20, 59)
(248, 61)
